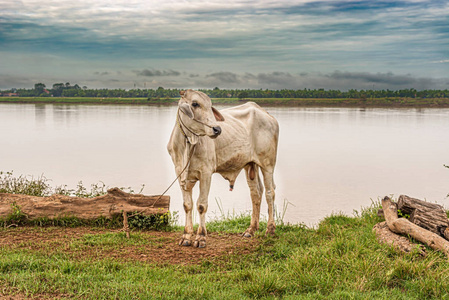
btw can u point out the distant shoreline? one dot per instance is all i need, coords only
(277, 102)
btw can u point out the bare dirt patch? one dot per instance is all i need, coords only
(13, 295)
(143, 246)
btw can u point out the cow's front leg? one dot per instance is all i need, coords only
(200, 240)
(186, 239)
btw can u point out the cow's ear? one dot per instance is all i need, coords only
(185, 108)
(218, 116)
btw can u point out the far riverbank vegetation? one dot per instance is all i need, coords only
(67, 93)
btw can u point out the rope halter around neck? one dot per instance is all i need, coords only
(182, 125)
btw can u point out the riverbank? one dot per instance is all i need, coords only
(287, 102)
(341, 259)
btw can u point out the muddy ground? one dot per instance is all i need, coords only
(144, 246)
(84, 243)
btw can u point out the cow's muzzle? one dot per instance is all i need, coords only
(217, 131)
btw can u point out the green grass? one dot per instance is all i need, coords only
(340, 259)
(369, 102)
(353, 102)
(88, 100)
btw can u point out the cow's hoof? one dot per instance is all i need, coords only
(270, 230)
(270, 233)
(184, 242)
(200, 241)
(199, 244)
(249, 233)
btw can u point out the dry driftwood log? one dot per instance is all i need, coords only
(401, 243)
(445, 233)
(114, 202)
(430, 216)
(407, 228)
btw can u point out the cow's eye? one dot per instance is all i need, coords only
(194, 104)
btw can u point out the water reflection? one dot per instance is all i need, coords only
(40, 114)
(65, 116)
(329, 160)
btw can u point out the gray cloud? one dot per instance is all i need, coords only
(276, 79)
(157, 73)
(388, 80)
(249, 76)
(389, 77)
(341, 80)
(237, 43)
(314, 80)
(225, 77)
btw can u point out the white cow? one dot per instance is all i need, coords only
(205, 141)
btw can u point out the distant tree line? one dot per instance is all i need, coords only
(68, 90)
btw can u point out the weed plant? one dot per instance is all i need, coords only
(28, 185)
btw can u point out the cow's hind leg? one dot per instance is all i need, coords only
(269, 194)
(186, 239)
(202, 204)
(256, 190)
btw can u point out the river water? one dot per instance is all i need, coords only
(330, 160)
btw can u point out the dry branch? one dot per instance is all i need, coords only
(430, 216)
(407, 228)
(113, 203)
(399, 242)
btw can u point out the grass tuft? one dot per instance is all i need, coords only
(340, 259)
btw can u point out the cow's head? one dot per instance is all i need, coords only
(198, 115)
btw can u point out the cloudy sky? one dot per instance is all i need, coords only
(226, 44)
